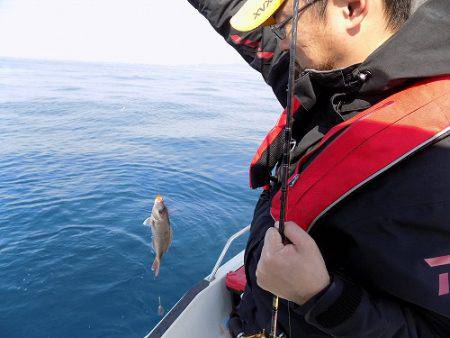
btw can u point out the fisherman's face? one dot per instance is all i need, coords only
(317, 41)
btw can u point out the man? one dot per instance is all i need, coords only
(375, 261)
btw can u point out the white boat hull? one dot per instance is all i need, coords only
(203, 311)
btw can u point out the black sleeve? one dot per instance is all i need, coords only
(258, 48)
(343, 309)
(346, 310)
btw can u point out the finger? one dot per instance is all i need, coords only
(272, 241)
(296, 234)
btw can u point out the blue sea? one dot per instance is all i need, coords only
(84, 150)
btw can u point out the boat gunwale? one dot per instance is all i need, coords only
(169, 319)
(161, 328)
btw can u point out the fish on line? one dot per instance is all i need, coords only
(161, 230)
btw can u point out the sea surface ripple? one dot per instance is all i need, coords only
(84, 150)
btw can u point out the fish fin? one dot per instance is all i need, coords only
(155, 266)
(148, 221)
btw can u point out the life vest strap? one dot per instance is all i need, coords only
(269, 151)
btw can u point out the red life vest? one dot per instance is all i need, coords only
(358, 150)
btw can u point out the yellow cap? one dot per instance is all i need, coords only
(255, 13)
(159, 198)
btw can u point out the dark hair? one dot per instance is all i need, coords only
(396, 11)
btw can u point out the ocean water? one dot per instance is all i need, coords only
(84, 149)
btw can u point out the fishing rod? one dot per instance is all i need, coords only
(285, 166)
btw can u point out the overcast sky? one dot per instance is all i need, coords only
(135, 31)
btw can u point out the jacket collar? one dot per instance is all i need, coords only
(419, 50)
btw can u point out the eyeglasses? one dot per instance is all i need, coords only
(278, 29)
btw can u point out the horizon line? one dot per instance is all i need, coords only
(117, 62)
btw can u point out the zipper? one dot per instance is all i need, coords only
(293, 180)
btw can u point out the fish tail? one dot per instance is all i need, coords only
(155, 266)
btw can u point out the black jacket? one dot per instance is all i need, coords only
(376, 241)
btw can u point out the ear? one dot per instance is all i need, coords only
(355, 12)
